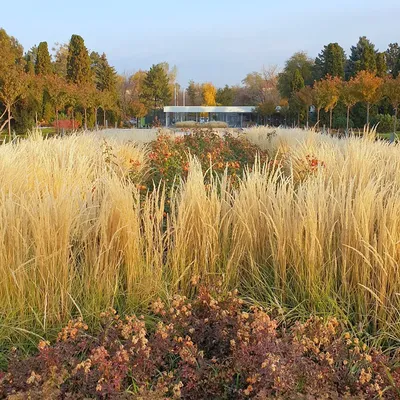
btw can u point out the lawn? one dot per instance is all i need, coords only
(299, 223)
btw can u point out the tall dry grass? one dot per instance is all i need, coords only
(77, 235)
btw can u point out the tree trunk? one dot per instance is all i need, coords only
(57, 125)
(85, 119)
(95, 117)
(330, 118)
(104, 117)
(367, 113)
(298, 119)
(73, 120)
(392, 139)
(348, 120)
(9, 122)
(307, 116)
(318, 111)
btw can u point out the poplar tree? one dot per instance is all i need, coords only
(43, 60)
(78, 62)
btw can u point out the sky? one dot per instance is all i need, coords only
(217, 41)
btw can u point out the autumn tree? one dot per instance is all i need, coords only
(58, 93)
(60, 58)
(78, 61)
(13, 84)
(87, 99)
(107, 101)
(155, 89)
(259, 86)
(10, 50)
(331, 61)
(209, 93)
(306, 98)
(13, 79)
(139, 110)
(330, 92)
(391, 90)
(318, 98)
(349, 97)
(368, 87)
(43, 60)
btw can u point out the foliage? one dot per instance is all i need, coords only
(368, 87)
(384, 122)
(43, 60)
(61, 51)
(155, 88)
(105, 75)
(78, 62)
(225, 96)
(331, 61)
(194, 93)
(170, 156)
(362, 58)
(213, 346)
(209, 94)
(381, 66)
(393, 59)
(301, 63)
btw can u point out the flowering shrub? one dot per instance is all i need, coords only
(67, 124)
(213, 347)
(169, 155)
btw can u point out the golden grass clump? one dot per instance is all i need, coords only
(317, 228)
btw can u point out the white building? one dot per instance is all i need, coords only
(235, 116)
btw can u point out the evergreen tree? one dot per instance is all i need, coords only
(30, 60)
(43, 60)
(194, 93)
(331, 61)
(393, 59)
(78, 62)
(297, 81)
(381, 66)
(362, 57)
(302, 64)
(105, 76)
(225, 96)
(156, 91)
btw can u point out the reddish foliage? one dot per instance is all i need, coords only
(213, 347)
(67, 124)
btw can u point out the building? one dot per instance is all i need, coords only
(234, 116)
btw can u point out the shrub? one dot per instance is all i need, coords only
(194, 124)
(385, 122)
(67, 124)
(170, 155)
(212, 347)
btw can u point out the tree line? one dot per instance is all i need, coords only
(75, 87)
(72, 88)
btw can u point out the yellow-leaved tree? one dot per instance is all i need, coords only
(209, 94)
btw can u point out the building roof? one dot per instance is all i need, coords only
(214, 109)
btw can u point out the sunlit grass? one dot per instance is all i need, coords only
(78, 235)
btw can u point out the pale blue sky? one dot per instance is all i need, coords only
(208, 40)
